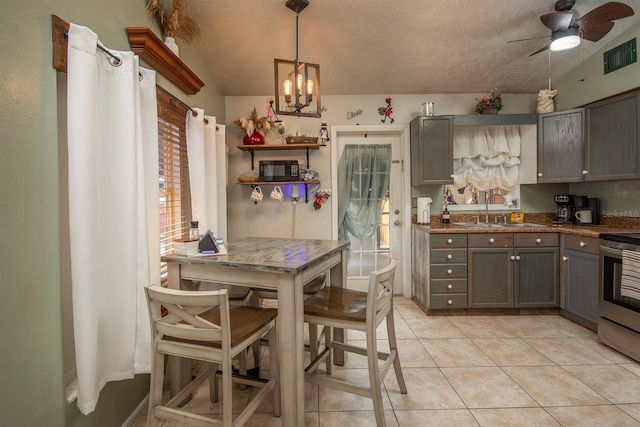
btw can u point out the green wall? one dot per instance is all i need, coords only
(31, 355)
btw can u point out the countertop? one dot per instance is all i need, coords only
(589, 231)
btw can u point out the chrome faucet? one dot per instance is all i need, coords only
(486, 207)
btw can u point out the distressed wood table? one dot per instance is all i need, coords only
(284, 265)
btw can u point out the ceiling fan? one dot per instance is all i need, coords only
(568, 31)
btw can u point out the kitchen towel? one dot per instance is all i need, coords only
(630, 282)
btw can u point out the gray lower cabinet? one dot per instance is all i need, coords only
(613, 138)
(431, 144)
(580, 276)
(448, 271)
(513, 270)
(419, 265)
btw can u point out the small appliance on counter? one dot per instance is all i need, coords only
(424, 210)
(565, 210)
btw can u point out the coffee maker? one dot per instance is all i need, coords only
(565, 210)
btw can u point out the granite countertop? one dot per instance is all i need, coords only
(609, 225)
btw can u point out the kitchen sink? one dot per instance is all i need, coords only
(495, 225)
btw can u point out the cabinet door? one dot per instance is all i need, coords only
(490, 277)
(561, 146)
(581, 285)
(612, 138)
(537, 279)
(431, 150)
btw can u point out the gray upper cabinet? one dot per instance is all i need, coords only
(431, 150)
(561, 146)
(612, 148)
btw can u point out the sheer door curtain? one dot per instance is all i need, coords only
(113, 211)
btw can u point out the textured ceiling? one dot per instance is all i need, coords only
(390, 46)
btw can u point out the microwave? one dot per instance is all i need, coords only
(278, 170)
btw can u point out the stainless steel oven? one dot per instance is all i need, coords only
(619, 315)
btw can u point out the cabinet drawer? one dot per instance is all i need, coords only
(532, 240)
(448, 301)
(440, 241)
(443, 271)
(589, 245)
(451, 286)
(448, 256)
(491, 240)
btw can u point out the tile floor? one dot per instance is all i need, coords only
(477, 371)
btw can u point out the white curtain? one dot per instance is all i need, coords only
(486, 156)
(113, 211)
(206, 170)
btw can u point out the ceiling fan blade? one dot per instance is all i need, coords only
(605, 13)
(557, 21)
(540, 50)
(530, 38)
(596, 32)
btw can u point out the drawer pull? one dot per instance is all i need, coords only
(583, 244)
(449, 256)
(539, 174)
(450, 241)
(449, 301)
(538, 240)
(492, 240)
(564, 258)
(513, 258)
(449, 271)
(449, 286)
(517, 257)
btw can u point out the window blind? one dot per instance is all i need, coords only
(173, 179)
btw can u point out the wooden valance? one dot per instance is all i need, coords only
(145, 44)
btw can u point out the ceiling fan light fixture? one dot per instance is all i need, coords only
(565, 39)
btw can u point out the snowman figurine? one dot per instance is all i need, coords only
(324, 134)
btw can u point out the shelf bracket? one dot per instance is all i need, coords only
(251, 151)
(308, 158)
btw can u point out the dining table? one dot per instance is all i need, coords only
(283, 265)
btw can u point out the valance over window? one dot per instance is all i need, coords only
(486, 156)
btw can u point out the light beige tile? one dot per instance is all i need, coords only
(481, 326)
(612, 382)
(530, 417)
(403, 331)
(592, 416)
(528, 327)
(592, 343)
(456, 352)
(553, 386)
(434, 327)
(566, 351)
(511, 352)
(427, 388)
(632, 367)
(411, 352)
(409, 311)
(436, 418)
(632, 409)
(355, 419)
(487, 387)
(566, 327)
(335, 400)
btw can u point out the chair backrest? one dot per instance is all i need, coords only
(380, 294)
(183, 320)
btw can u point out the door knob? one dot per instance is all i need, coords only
(397, 211)
(449, 271)
(450, 241)
(583, 244)
(513, 258)
(538, 240)
(517, 257)
(564, 258)
(492, 240)
(449, 286)
(449, 302)
(449, 256)
(396, 222)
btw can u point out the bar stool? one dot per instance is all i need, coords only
(200, 325)
(362, 311)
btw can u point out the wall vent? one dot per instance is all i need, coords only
(620, 56)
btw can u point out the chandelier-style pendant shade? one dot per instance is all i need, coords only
(297, 83)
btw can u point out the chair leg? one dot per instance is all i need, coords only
(313, 340)
(328, 339)
(393, 345)
(374, 376)
(275, 370)
(156, 386)
(214, 394)
(227, 398)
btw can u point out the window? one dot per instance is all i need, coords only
(173, 179)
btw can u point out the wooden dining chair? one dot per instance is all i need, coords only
(362, 311)
(200, 325)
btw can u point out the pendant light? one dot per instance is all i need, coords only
(297, 84)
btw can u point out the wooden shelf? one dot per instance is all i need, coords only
(266, 147)
(278, 182)
(153, 51)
